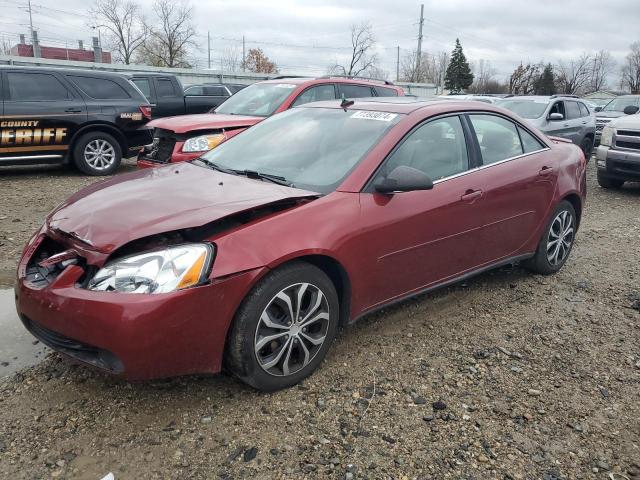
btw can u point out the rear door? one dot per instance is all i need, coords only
(574, 119)
(169, 98)
(42, 112)
(517, 177)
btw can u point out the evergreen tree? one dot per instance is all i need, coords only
(459, 76)
(546, 83)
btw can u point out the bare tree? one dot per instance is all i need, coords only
(5, 46)
(126, 28)
(409, 67)
(231, 59)
(440, 66)
(602, 67)
(523, 79)
(362, 59)
(169, 42)
(484, 77)
(631, 69)
(573, 76)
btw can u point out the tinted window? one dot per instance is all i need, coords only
(529, 142)
(498, 138)
(316, 94)
(165, 88)
(355, 91)
(386, 92)
(573, 111)
(215, 91)
(29, 87)
(558, 107)
(584, 111)
(99, 88)
(195, 90)
(436, 148)
(143, 85)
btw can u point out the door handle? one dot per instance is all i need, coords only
(73, 110)
(471, 195)
(545, 171)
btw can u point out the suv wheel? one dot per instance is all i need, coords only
(556, 243)
(587, 147)
(607, 182)
(97, 153)
(284, 328)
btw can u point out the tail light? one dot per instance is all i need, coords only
(146, 111)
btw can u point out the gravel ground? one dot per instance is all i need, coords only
(509, 376)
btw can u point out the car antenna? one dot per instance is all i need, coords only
(346, 103)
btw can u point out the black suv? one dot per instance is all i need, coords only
(50, 115)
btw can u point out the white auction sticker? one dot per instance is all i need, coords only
(381, 116)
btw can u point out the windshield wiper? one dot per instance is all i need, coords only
(215, 166)
(265, 176)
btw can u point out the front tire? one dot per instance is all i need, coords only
(556, 242)
(97, 153)
(607, 182)
(284, 327)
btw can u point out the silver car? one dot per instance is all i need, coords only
(557, 115)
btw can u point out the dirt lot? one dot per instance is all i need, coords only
(509, 376)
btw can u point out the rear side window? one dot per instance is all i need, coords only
(584, 111)
(33, 87)
(215, 91)
(529, 142)
(99, 88)
(498, 138)
(165, 88)
(386, 92)
(316, 94)
(437, 148)
(573, 111)
(143, 85)
(355, 91)
(195, 90)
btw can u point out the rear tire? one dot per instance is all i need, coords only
(284, 327)
(97, 153)
(606, 182)
(556, 242)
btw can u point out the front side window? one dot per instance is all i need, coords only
(257, 100)
(558, 107)
(33, 87)
(316, 94)
(99, 88)
(165, 88)
(437, 148)
(498, 138)
(318, 149)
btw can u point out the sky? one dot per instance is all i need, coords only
(306, 37)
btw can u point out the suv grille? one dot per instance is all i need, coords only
(601, 122)
(163, 144)
(629, 145)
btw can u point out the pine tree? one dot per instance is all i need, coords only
(459, 76)
(546, 84)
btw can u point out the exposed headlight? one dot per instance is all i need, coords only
(607, 136)
(203, 143)
(161, 271)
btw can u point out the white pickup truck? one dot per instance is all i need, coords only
(618, 156)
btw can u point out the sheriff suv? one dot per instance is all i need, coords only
(80, 117)
(177, 139)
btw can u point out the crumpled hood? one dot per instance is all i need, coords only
(204, 121)
(109, 214)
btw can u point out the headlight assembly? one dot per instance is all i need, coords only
(161, 271)
(607, 136)
(203, 143)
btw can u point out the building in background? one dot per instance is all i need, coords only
(80, 54)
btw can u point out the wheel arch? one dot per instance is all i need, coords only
(576, 202)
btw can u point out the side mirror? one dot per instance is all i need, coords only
(631, 110)
(598, 109)
(554, 117)
(403, 179)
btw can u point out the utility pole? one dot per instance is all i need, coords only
(208, 50)
(398, 63)
(30, 20)
(244, 55)
(419, 55)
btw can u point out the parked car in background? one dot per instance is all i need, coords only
(614, 109)
(255, 254)
(560, 116)
(81, 117)
(169, 98)
(474, 97)
(618, 156)
(187, 137)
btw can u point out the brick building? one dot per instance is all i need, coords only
(80, 54)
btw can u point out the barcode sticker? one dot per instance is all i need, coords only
(380, 116)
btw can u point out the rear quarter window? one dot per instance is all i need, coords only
(99, 88)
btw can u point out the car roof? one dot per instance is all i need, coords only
(331, 79)
(403, 105)
(69, 71)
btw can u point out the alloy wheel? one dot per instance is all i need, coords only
(292, 329)
(99, 154)
(560, 238)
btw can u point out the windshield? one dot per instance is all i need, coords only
(525, 108)
(312, 148)
(620, 103)
(257, 100)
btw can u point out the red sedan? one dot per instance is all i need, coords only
(254, 254)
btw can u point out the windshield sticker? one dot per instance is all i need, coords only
(381, 116)
(285, 85)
